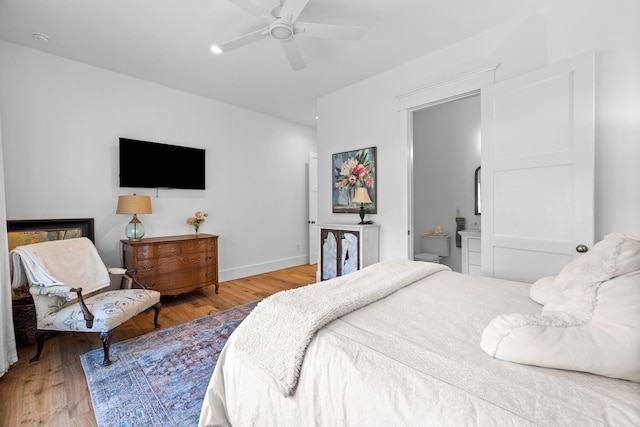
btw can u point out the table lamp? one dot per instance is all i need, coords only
(134, 205)
(362, 197)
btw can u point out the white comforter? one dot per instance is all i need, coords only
(274, 337)
(413, 359)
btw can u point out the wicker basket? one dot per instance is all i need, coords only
(24, 321)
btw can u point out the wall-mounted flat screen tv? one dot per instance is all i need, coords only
(146, 164)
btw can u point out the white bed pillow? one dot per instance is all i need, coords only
(590, 320)
(541, 289)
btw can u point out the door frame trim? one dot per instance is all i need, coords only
(457, 87)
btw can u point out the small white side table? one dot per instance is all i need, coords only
(345, 248)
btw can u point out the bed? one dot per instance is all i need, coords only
(418, 353)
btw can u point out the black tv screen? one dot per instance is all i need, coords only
(146, 164)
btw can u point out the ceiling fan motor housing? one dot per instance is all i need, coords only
(281, 30)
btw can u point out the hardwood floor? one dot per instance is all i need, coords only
(53, 391)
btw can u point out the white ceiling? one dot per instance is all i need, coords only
(168, 42)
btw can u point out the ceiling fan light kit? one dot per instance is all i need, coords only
(281, 30)
(282, 26)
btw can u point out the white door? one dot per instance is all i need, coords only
(313, 208)
(538, 170)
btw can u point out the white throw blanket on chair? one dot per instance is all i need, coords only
(72, 262)
(275, 335)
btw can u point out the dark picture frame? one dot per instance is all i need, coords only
(351, 170)
(23, 232)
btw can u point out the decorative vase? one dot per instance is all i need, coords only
(197, 227)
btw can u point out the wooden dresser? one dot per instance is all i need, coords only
(175, 264)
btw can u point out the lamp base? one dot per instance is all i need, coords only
(362, 213)
(134, 230)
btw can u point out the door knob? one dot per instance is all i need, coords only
(582, 248)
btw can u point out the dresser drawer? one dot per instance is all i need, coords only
(174, 264)
(167, 283)
(198, 246)
(475, 245)
(474, 258)
(158, 251)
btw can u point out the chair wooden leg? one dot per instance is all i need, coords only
(40, 335)
(105, 337)
(156, 308)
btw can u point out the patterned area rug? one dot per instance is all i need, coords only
(159, 379)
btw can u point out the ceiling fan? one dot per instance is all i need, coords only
(283, 26)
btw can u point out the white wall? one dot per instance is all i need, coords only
(61, 124)
(446, 153)
(366, 114)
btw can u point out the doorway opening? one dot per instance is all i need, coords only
(446, 153)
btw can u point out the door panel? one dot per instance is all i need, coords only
(540, 110)
(533, 207)
(538, 170)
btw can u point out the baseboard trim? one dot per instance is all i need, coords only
(260, 268)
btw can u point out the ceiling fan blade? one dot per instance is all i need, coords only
(253, 9)
(242, 40)
(293, 54)
(310, 29)
(291, 9)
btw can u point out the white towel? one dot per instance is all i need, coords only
(72, 262)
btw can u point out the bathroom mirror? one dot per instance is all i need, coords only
(478, 198)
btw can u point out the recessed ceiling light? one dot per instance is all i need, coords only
(41, 38)
(215, 49)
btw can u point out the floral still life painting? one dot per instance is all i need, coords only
(353, 170)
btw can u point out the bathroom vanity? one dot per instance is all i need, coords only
(471, 255)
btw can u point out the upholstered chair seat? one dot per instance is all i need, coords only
(110, 309)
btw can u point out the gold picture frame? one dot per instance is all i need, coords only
(24, 232)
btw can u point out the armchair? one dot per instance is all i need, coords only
(66, 278)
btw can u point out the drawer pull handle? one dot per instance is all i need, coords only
(147, 267)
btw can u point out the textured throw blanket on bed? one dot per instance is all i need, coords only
(275, 336)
